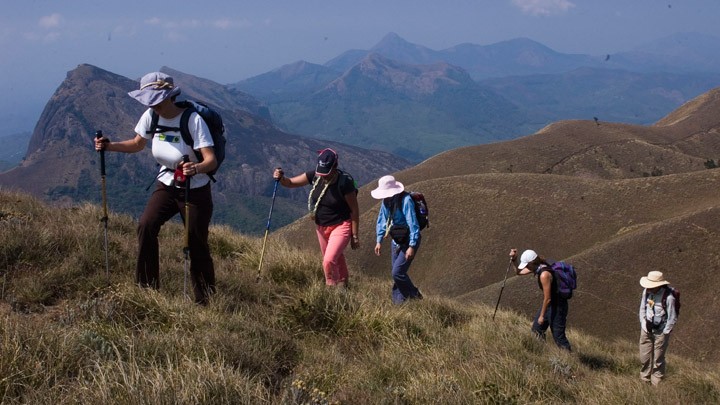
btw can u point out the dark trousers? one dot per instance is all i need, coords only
(403, 288)
(164, 203)
(556, 319)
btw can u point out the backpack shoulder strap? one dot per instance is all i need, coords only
(341, 179)
(154, 117)
(155, 127)
(184, 126)
(667, 291)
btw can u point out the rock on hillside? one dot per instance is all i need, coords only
(61, 163)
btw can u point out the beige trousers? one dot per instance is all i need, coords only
(652, 356)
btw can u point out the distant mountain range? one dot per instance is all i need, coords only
(357, 98)
(61, 164)
(413, 111)
(679, 53)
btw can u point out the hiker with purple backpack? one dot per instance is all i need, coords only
(556, 280)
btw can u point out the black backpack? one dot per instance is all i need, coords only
(675, 293)
(212, 119)
(421, 209)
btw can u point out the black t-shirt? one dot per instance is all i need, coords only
(333, 208)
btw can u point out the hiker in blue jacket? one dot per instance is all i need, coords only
(397, 219)
(554, 309)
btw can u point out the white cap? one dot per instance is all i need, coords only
(526, 257)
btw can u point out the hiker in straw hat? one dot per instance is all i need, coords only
(397, 219)
(157, 92)
(333, 206)
(658, 314)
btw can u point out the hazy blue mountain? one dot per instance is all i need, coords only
(347, 59)
(609, 95)
(230, 98)
(414, 111)
(288, 81)
(680, 53)
(514, 57)
(13, 149)
(519, 56)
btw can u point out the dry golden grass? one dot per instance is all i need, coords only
(66, 336)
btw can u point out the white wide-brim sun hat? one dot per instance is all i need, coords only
(653, 279)
(387, 187)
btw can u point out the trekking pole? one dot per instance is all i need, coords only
(267, 228)
(501, 289)
(104, 219)
(186, 248)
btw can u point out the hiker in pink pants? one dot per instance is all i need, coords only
(333, 206)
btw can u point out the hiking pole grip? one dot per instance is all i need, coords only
(99, 135)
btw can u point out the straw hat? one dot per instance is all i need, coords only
(653, 279)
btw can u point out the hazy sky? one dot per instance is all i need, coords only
(230, 40)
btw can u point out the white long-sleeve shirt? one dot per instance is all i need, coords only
(653, 312)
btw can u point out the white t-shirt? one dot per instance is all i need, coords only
(168, 147)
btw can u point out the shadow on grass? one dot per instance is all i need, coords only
(597, 362)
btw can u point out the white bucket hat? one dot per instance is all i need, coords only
(387, 187)
(526, 257)
(653, 279)
(155, 87)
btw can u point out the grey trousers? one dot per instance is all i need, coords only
(652, 356)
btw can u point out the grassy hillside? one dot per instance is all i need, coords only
(67, 336)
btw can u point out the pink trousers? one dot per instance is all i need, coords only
(333, 240)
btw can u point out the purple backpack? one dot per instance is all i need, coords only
(565, 278)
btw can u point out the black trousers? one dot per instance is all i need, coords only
(556, 319)
(164, 203)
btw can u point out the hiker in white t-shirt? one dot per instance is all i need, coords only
(158, 92)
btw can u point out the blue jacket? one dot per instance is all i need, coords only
(406, 216)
